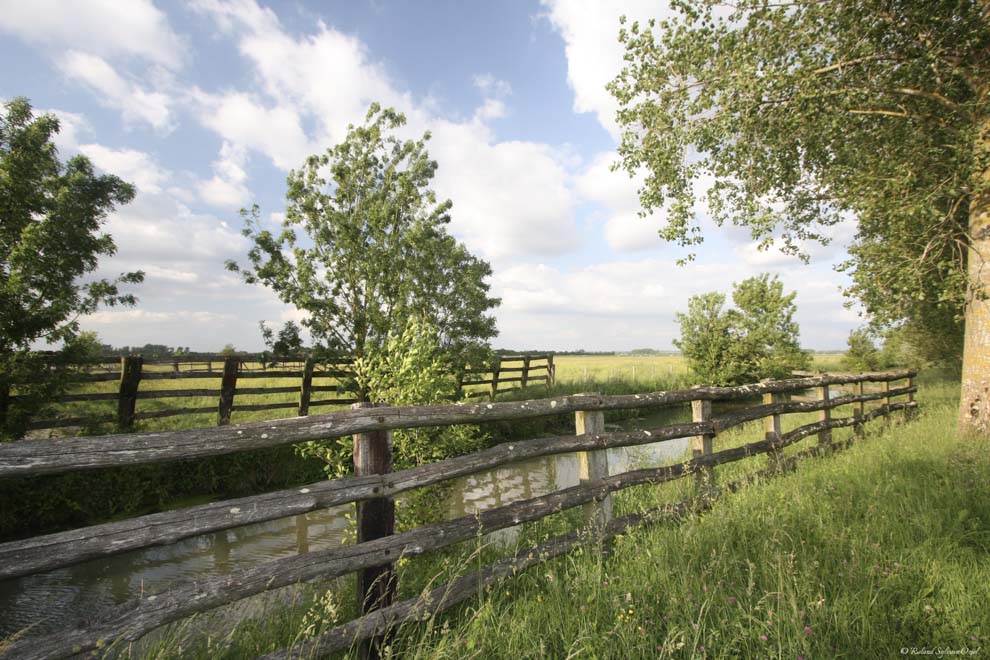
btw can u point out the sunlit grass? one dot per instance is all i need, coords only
(876, 548)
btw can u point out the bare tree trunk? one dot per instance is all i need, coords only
(974, 404)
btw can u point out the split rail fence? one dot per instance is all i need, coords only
(228, 380)
(512, 372)
(374, 487)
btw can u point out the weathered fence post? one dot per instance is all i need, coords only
(593, 466)
(909, 411)
(376, 586)
(859, 411)
(551, 370)
(459, 382)
(886, 404)
(130, 378)
(305, 388)
(227, 388)
(771, 426)
(525, 372)
(824, 415)
(701, 445)
(4, 403)
(494, 385)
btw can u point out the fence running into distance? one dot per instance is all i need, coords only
(315, 378)
(374, 486)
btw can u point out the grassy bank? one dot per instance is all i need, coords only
(881, 547)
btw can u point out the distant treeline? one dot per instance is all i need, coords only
(161, 350)
(506, 351)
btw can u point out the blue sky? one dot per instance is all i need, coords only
(205, 105)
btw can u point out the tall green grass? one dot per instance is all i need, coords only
(878, 548)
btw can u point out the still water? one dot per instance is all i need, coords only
(65, 598)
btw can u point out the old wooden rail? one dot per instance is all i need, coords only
(227, 380)
(375, 485)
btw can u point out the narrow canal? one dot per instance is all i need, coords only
(64, 598)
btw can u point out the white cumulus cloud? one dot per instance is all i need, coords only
(590, 30)
(511, 198)
(131, 165)
(103, 27)
(135, 103)
(227, 188)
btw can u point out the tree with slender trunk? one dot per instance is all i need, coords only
(804, 114)
(364, 247)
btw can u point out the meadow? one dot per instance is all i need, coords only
(651, 371)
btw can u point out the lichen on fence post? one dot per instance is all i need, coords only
(376, 586)
(702, 445)
(825, 415)
(771, 425)
(593, 466)
(859, 411)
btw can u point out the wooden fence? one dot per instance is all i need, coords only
(511, 372)
(374, 487)
(222, 378)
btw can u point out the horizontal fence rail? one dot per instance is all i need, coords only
(94, 452)
(65, 548)
(136, 618)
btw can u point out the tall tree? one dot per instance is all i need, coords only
(375, 249)
(758, 338)
(861, 352)
(51, 217)
(707, 337)
(804, 113)
(287, 343)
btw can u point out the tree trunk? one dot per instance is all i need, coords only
(974, 403)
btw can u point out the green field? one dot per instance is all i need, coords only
(646, 370)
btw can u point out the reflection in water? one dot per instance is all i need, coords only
(221, 552)
(63, 598)
(302, 534)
